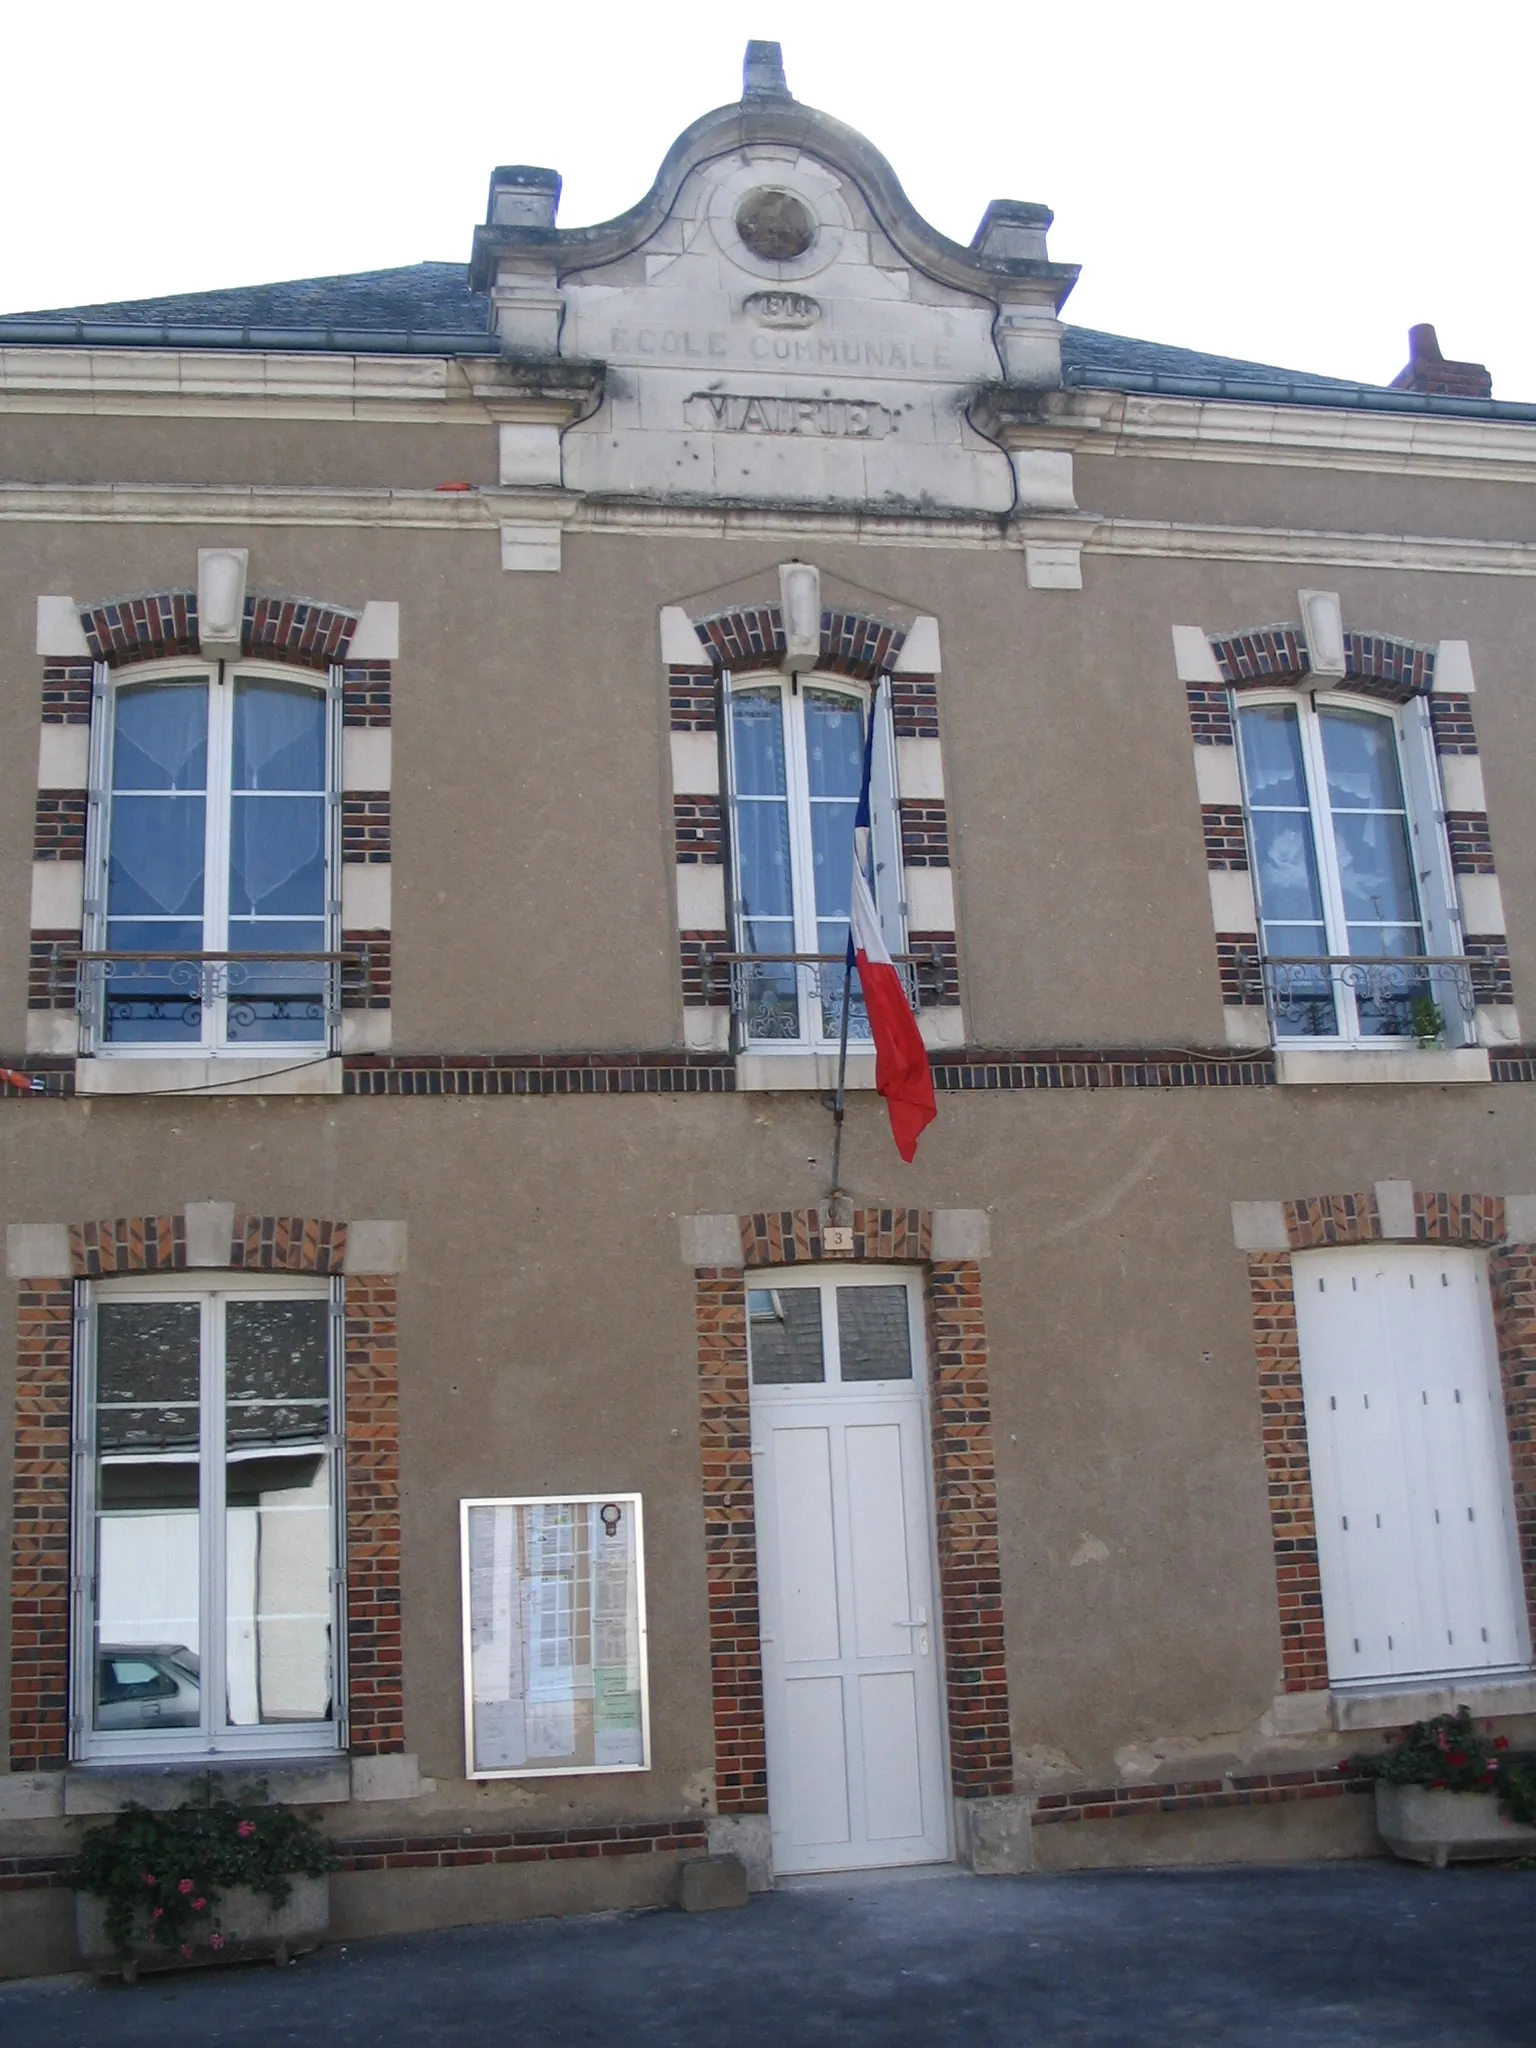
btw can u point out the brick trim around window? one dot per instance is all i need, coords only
(39, 1731)
(164, 622)
(1374, 664)
(1473, 1221)
(965, 1489)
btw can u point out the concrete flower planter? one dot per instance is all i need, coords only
(251, 1927)
(1425, 1826)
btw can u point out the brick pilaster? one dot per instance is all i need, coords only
(375, 1671)
(40, 1537)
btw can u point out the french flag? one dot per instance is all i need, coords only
(902, 1074)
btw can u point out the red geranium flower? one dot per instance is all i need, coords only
(1501, 1742)
(185, 1885)
(215, 1941)
(1457, 1759)
(246, 1829)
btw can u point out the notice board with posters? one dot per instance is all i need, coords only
(554, 1635)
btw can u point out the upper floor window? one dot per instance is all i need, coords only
(213, 861)
(796, 761)
(206, 1514)
(1352, 886)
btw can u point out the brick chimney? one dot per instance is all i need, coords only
(1429, 372)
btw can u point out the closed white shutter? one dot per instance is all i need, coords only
(1410, 1463)
(885, 823)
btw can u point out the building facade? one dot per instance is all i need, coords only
(444, 1382)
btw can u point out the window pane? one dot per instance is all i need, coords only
(1375, 868)
(832, 857)
(1360, 753)
(757, 736)
(834, 743)
(1272, 755)
(277, 856)
(1289, 891)
(147, 1415)
(160, 736)
(155, 866)
(762, 836)
(874, 1339)
(153, 1002)
(784, 1332)
(279, 739)
(277, 1512)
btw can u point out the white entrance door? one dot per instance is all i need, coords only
(1410, 1462)
(856, 1770)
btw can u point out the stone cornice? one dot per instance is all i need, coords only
(486, 508)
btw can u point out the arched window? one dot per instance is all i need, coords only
(1351, 888)
(795, 749)
(211, 913)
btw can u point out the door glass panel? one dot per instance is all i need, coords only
(277, 1512)
(277, 846)
(874, 1340)
(155, 861)
(147, 1547)
(784, 1334)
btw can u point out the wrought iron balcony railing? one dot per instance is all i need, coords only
(123, 997)
(766, 991)
(1431, 999)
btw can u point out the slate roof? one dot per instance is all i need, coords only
(428, 309)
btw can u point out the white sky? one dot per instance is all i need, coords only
(1295, 183)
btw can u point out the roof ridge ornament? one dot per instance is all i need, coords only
(762, 73)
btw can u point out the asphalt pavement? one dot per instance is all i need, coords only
(1322, 1956)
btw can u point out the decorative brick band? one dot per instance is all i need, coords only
(1374, 665)
(1237, 965)
(1193, 1795)
(1471, 842)
(1010, 1071)
(938, 981)
(40, 1528)
(700, 835)
(966, 1531)
(52, 957)
(365, 693)
(38, 1077)
(696, 952)
(753, 637)
(128, 1244)
(365, 826)
(1312, 1222)
(367, 970)
(788, 1237)
(375, 1663)
(165, 623)
(58, 832)
(1226, 841)
(693, 697)
(1493, 978)
(288, 1244)
(1210, 715)
(523, 1845)
(915, 707)
(965, 1489)
(67, 687)
(924, 832)
(730, 1542)
(1450, 719)
(615, 1073)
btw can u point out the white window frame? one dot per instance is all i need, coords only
(1424, 809)
(220, 676)
(212, 1738)
(885, 833)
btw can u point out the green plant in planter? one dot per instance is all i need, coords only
(1452, 1754)
(163, 1874)
(1426, 1021)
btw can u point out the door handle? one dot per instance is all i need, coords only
(920, 1622)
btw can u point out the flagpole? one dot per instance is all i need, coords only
(861, 815)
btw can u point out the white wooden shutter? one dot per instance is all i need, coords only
(1410, 1463)
(885, 824)
(1426, 822)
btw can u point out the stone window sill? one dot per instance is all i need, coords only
(1313, 1065)
(100, 1788)
(802, 1070)
(1389, 1706)
(293, 1073)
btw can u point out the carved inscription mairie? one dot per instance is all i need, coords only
(840, 419)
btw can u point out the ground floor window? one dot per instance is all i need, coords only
(207, 1523)
(1409, 1451)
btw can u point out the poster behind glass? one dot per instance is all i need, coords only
(554, 1635)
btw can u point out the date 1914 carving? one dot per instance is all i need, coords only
(840, 419)
(782, 309)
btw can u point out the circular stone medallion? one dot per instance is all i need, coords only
(776, 226)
